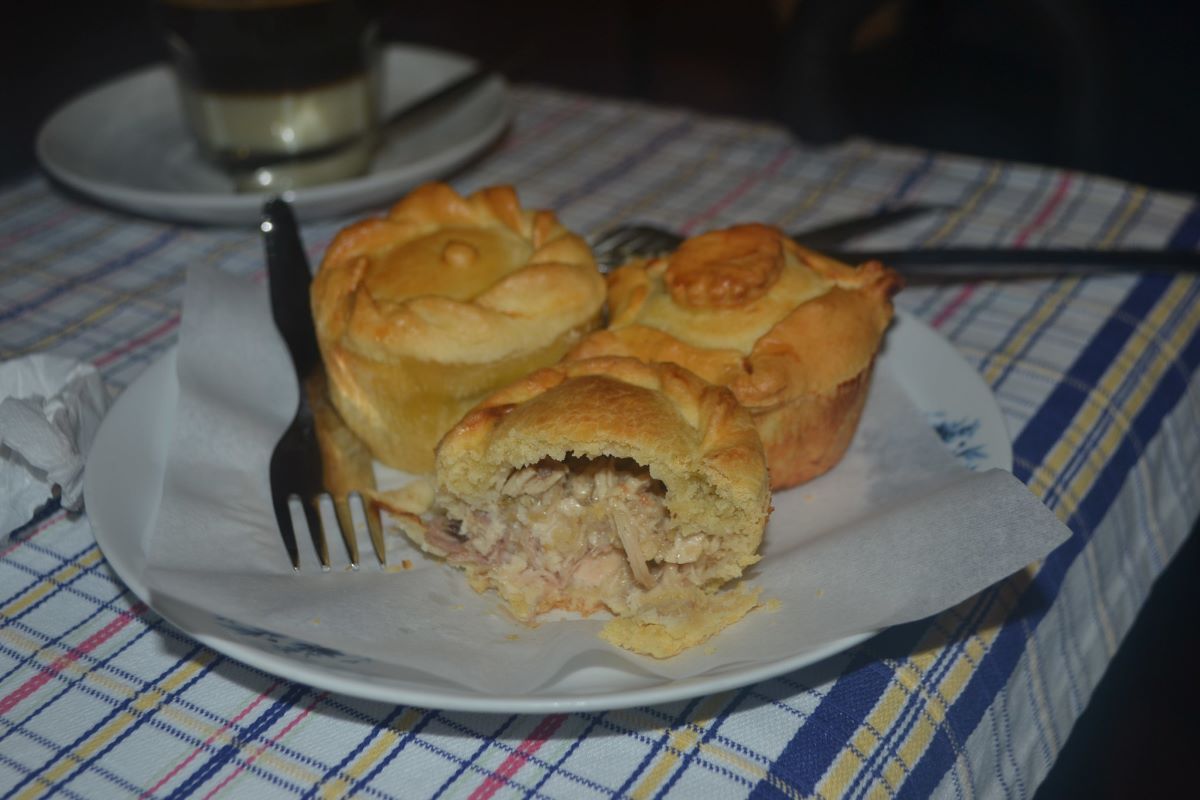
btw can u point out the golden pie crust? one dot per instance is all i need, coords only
(791, 332)
(423, 312)
(696, 502)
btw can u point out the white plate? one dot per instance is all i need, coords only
(125, 144)
(123, 485)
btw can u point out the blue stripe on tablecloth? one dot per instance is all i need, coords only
(1187, 233)
(131, 789)
(910, 180)
(841, 711)
(354, 751)
(656, 747)
(452, 721)
(26, 659)
(1012, 360)
(228, 751)
(393, 751)
(649, 149)
(709, 733)
(124, 260)
(119, 708)
(996, 667)
(1077, 459)
(58, 585)
(486, 741)
(551, 769)
(1043, 430)
(811, 750)
(168, 729)
(914, 703)
(137, 723)
(837, 716)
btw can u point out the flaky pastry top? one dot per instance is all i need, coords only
(455, 279)
(748, 308)
(693, 436)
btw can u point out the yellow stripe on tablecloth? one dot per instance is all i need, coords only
(97, 314)
(936, 703)
(694, 167)
(119, 690)
(143, 702)
(823, 188)
(586, 141)
(51, 582)
(1018, 341)
(1136, 197)
(755, 772)
(956, 218)
(1099, 404)
(1041, 700)
(1110, 635)
(844, 770)
(383, 744)
(118, 299)
(681, 740)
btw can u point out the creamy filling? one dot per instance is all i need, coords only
(580, 533)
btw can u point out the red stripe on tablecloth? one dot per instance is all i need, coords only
(91, 643)
(229, 724)
(1060, 191)
(537, 737)
(948, 310)
(53, 519)
(545, 126)
(136, 342)
(738, 191)
(273, 740)
(1043, 216)
(36, 228)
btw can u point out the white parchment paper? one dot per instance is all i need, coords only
(897, 532)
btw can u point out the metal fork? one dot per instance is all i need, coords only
(617, 245)
(298, 469)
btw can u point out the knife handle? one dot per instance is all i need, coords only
(948, 263)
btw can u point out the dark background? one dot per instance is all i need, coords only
(1109, 86)
(1105, 86)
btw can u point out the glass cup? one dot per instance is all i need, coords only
(279, 94)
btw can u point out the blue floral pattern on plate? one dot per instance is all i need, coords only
(287, 645)
(961, 435)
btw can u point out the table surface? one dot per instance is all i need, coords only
(1096, 377)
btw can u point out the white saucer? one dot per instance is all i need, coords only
(125, 144)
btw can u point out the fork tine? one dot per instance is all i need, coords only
(316, 529)
(283, 516)
(374, 527)
(617, 245)
(345, 520)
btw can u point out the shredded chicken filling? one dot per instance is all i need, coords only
(581, 522)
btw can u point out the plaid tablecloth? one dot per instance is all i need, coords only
(100, 698)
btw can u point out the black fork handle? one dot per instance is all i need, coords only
(289, 279)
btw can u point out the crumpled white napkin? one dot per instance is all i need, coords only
(50, 408)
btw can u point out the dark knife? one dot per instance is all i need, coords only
(982, 263)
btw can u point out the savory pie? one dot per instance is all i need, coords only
(791, 332)
(422, 313)
(605, 484)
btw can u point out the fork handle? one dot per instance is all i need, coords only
(288, 279)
